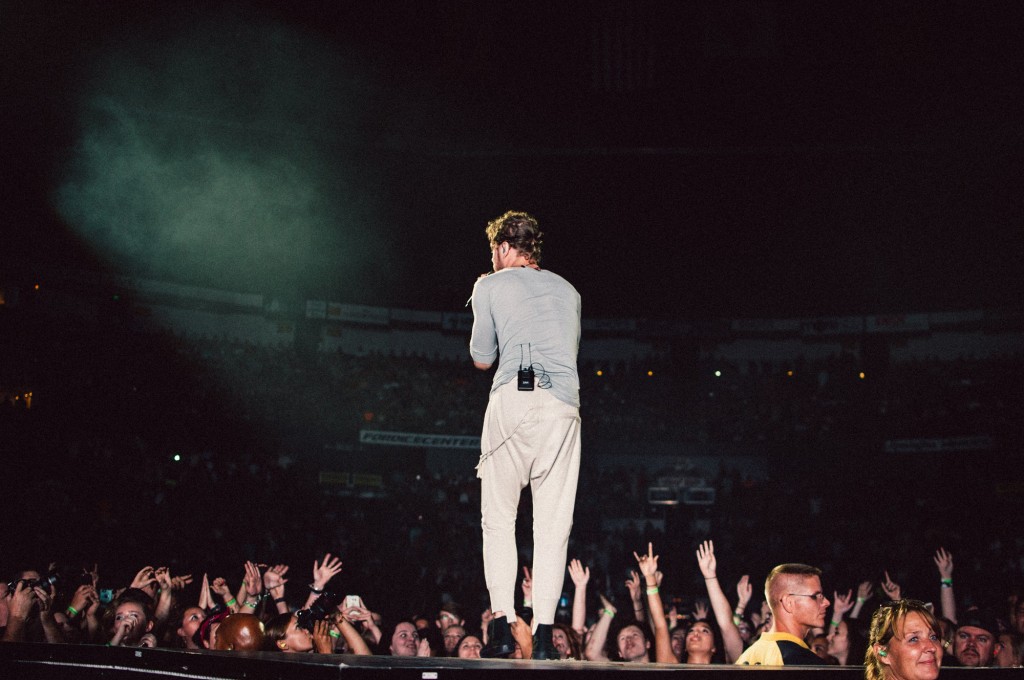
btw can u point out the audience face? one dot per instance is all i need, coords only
(469, 647)
(451, 636)
(1005, 657)
(404, 640)
(700, 641)
(807, 603)
(678, 641)
(446, 619)
(632, 645)
(190, 622)
(914, 652)
(561, 642)
(974, 646)
(295, 639)
(839, 645)
(134, 615)
(819, 645)
(1018, 617)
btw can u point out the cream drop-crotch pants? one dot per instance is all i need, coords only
(528, 438)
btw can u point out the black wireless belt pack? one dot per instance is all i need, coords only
(526, 379)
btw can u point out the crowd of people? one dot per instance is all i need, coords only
(161, 450)
(273, 608)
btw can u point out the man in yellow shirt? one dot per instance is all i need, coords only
(794, 595)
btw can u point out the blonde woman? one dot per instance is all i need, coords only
(904, 643)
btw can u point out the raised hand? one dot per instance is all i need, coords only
(944, 561)
(865, 590)
(891, 588)
(163, 578)
(95, 574)
(673, 618)
(648, 563)
(606, 604)
(700, 610)
(527, 586)
(253, 581)
(579, 574)
(179, 582)
(634, 587)
(706, 560)
(220, 586)
(324, 572)
(841, 604)
(204, 593)
(145, 577)
(358, 614)
(274, 578)
(744, 591)
(423, 646)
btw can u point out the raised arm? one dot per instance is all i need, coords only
(864, 592)
(273, 581)
(167, 585)
(322, 573)
(580, 576)
(356, 642)
(840, 605)
(662, 643)
(595, 645)
(891, 588)
(636, 595)
(744, 591)
(252, 587)
(366, 616)
(731, 639)
(220, 586)
(527, 586)
(944, 562)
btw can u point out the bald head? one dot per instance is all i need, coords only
(240, 632)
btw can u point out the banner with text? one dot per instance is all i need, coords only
(423, 441)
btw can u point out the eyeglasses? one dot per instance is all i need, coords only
(819, 596)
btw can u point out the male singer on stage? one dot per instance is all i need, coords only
(526, 319)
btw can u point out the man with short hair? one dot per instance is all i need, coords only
(633, 645)
(527, 320)
(794, 595)
(976, 641)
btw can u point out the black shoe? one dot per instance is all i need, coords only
(500, 644)
(543, 647)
